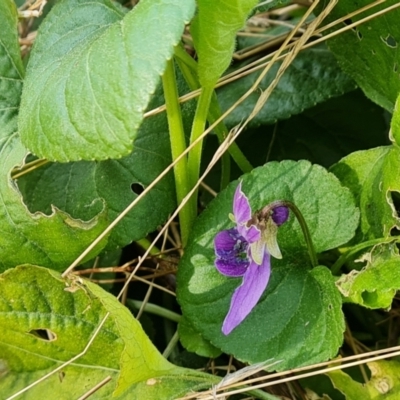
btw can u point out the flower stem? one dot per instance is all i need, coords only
(171, 345)
(178, 145)
(335, 269)
(306, 233)
(303, 224)
(154, 309)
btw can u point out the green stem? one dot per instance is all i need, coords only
(264, 213)
(193, 83)
(188, 66)
(171, 345)
(154, 309)
(145, 244)
(178, 145)
(306, 233)
(199, 123)
(354, 250)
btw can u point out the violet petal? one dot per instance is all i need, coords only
(232, 267)
(241, 206)
(229, 241)
(251, 234)
(231, 251)
(280, 215)
(246, 296)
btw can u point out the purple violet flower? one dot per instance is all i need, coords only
(246, 251)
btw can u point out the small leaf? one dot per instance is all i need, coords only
(35, 299)
(91, 74)
(375, 285)
(384, 382)
(298, 319)
(372, 176)
(369, 52)
(312, 78)
(214, 31)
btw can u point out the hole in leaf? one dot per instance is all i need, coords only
(395, 231)
(369, 297)
(396, 202)
(44, 334)
(61, 376)
(349, 21)
(359, 34)
(395, 67)
(137, 188)
(390, 41)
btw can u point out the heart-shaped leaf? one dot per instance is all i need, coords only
(91, 74)
(298, 319)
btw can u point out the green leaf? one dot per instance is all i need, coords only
(372, 176)
(194, 342)
(384, 382)
(214, 31)
(81, 186)
(312, 78)
(375, 285)
(91, 75)
(53, 241)
(298, 319)
(11, 68)
(75, 383)
(369, 52)
(35, 299)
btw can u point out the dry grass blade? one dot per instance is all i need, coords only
(296, 373)
(290, 56)
(264, 61)
(95, 388)
(150, 288)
